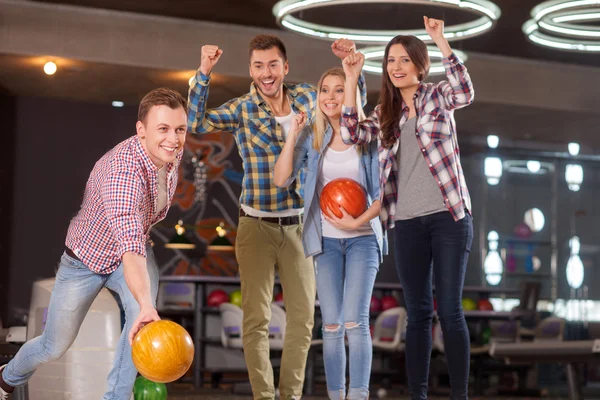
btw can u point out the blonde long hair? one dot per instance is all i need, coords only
(321, 121)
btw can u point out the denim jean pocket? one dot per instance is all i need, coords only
(70, 262)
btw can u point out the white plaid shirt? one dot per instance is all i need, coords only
(119, 207)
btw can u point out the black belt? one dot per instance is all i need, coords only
(71, 254)
(291, 220)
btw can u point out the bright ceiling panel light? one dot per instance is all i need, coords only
(534, 166)
(493, 141)
(493, 170)
(574, 176)
(565, 25)
(50, 68)
(573, 148)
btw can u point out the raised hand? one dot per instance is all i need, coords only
(342, 48)
(209, 57)
(353, 65)
(298, 123)
(434, 27)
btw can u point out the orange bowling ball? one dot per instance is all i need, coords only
(162, 351)
(343, 192)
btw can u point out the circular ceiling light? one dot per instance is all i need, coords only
(487, 11)
(377, 53)
(559, 24)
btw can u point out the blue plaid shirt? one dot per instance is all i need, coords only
(258, 136)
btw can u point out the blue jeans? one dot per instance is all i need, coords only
(345, 273)
(419, 241)
(75, 289)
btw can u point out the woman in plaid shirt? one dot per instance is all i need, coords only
(425, 195)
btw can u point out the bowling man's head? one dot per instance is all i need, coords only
(268, 64)
(162, 125)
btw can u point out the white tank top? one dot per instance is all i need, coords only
(340, 164)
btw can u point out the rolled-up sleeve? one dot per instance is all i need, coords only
(457, 91)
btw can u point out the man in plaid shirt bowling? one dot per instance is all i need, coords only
(129, 190)
(270, 224)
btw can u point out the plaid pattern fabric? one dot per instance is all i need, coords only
(436, 135)
(119, 207)
(258, 136)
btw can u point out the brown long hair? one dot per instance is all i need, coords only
(321, 122)
(390, 98)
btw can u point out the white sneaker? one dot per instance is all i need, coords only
(3, 394)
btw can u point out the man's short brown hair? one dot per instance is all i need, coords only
(266, 42)
(160, 97)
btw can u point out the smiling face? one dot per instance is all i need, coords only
(403, 73)
(331, 96)
(268, 69)
(162, 133)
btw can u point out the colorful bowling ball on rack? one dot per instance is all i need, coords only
(236, 298)
(469, 304)
(216, 298)
(485, 305)
(162, 351)
(486, 334)
(278, 297)
(375, 304)
(388, 302)
(346, 193)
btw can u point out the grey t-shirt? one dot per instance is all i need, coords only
(162, 189)
(418, 192)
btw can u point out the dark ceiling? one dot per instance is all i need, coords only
(506, 39)
(97, 82)
(102, 83)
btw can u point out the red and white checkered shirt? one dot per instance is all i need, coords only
(119, 207)
(436, 136)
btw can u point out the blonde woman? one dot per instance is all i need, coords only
(346, 251)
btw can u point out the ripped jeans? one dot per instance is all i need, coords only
(345, 273)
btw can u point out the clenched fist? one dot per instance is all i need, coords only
(353, 65)
(298, 123)
(209, 57)
(434, 27)
(342, 48)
